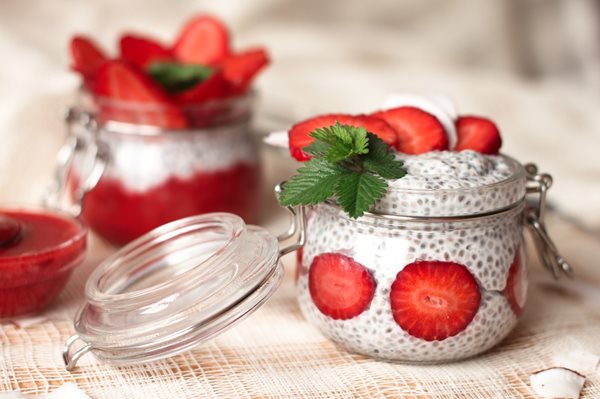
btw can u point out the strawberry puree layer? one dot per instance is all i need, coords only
(121, 214)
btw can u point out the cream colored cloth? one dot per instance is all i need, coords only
(327, 56)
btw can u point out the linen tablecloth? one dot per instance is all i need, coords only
(275, 353)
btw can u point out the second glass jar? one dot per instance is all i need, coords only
(155, 175)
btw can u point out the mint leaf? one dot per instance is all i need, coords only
(175, 78)
(349, 164)
(381, 161)
(314, 183)
(356, 192)
(338, 142)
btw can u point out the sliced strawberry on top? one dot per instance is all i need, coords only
(418, 131)
(340, 287)
(239, 69)
(195, 101)
(86, 56)
(299, 134)
(130, 96)
(204, 40)
(215, 87)
(516, 285)
(477, 134)
(142, 51)
(434, 300)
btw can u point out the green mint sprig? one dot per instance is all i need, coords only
(347, 163)
(175, 78)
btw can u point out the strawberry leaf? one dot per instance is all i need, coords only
(381, 161)
(314, 183)
(338, 142)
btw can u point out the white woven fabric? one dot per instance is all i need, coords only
(275, 353)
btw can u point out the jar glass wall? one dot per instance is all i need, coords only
(487, 250)
(155, 175)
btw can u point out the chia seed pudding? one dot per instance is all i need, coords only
(152, 179)
(482, 247)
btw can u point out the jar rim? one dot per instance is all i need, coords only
(137, 130)
(86, 95)
(374, 215)
(236, 111)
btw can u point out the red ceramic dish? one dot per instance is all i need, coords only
(38, 252)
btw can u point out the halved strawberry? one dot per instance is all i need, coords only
(86, 57)
(418, 131)
(239, 69)
(340, 287)
(213, 88)
(477, 134)
(201, 115)
(516, 285)
(299, 134)
(434, 300)
(142, 51)
(130, 96)
(204, 40)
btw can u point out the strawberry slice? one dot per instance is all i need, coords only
(299, 134)
(340, 287)
(200, 105)
(204, 40)
(241, 68)
(86, 57)
(434, 300)
(516, 285)
(477, 134)
(142, 51)
(213, 88)
(418, 131)
(138, 99)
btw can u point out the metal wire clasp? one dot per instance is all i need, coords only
(71, 361)
(297, 225)
(539, 183)
(77, 143)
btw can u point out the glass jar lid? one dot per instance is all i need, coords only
(175, 287)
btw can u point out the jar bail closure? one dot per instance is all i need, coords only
(76, 143)
(540, 183)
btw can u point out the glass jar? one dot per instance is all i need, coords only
(435, 285)
(148, 175)
(191, 279)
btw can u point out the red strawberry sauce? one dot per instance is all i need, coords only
(121, 215)
(35, 264)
